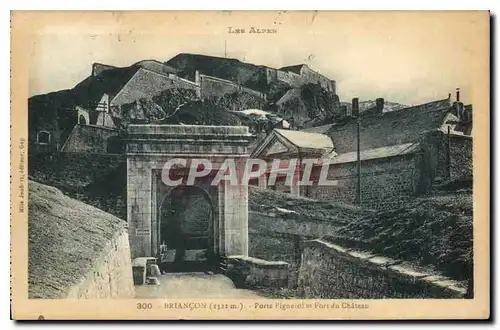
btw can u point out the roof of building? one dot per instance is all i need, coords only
(307, 140)
(383, 152)
(293, 68)
(156, 66)
(143, 84)
(107, 82)
(286, 141)
(65, 238)
(389, 128)
(256, 112)
(112, 80)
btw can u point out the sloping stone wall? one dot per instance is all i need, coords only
(290, 78)
(111, 276)
(216, 87)
(88, 138)
(279, 238)
(306, 76)
(330, 271)
(75, 250)
(311, 76)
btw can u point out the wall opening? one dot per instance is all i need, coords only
(81, 120)
(43, 137)
(187, 230)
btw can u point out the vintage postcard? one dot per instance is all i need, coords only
(250, 165)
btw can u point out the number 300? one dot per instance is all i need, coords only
(144, 306)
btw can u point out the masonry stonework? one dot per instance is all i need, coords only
(306, 76)
(149, 147)
(88, 138)
(443, 162)
(279, 238)
(290, 78)
(111, 275)
(385, 182)
(329, 271)
(311, 76)
(216, 87)
(461, 156)
(245, 270)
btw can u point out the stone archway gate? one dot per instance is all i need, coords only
(149, 147)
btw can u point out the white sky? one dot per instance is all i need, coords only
(406, 57)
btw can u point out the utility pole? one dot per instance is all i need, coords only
(448, 153)
(225, 48)
(358, 165)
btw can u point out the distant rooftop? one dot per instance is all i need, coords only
(293, 68)
(390, 128)
(307, 140)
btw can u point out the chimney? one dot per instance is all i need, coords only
(343, 112)
(197, 78)
(355, 107)
(379, 104)
(459, 106)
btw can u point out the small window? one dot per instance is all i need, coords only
(81, 120)
(43, 137)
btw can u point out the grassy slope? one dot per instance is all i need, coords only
(435, 231)
(266, 201)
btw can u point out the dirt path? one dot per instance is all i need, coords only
(194, 285)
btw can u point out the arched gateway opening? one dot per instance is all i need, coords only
(187, 229)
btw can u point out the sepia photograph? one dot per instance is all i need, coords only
(300, 164)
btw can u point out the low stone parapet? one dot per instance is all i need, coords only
(144, 270)
(245, 270)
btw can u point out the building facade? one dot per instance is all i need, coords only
(402, 154)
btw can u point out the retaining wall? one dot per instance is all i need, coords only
(329, 271)
(111, 275)
(89, 138)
